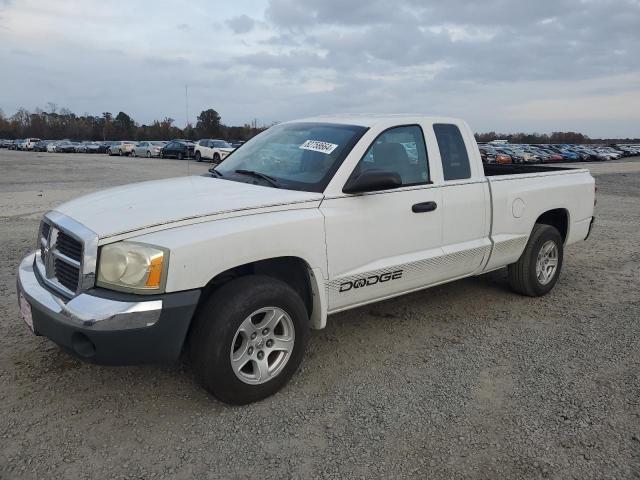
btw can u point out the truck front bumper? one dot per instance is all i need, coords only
(106, 327)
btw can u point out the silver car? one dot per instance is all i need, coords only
(147, 149)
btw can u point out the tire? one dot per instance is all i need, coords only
(524, 276)
(198, 157)
(215, 333)
(108, 152)
(119, 152)
(133, 153)
(148, 154)
(216, 158)
(179, 157)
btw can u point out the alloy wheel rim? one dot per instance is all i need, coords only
(547, 262)
(262, 345)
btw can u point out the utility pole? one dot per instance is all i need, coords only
(186, 103)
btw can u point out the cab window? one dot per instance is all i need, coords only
(453, 152)
(400, 150)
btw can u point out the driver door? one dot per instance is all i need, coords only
(384, 243)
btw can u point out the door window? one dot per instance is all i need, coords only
(453, 152)
(400, 150)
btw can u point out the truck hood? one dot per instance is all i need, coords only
(138, 206)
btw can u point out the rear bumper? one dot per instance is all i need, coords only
(106, 327)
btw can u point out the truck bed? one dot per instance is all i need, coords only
(494, 170)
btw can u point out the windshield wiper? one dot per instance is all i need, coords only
(252, 173)
(216, 172)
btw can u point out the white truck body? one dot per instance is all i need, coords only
(355, 248)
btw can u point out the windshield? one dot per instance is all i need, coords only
(298, 156)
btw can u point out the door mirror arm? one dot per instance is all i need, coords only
(372, 180)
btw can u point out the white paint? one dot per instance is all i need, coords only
(210, 225)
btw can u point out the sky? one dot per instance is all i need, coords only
(502, 65)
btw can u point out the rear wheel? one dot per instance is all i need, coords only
(148, 154)
(119, 152)
(133, 153)
(198, 157)
(538, 268)
(248, 339)
(179, 155)
(108, 152)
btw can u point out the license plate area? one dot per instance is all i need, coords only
(25, 311)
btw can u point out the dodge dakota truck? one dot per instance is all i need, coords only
(309, 218)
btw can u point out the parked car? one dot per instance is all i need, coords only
(489, 155)
(66, 147)
(177, 149)
(29, 143)
(41, 146)
(121, 147)
(211, 149)
(96, 147)
(147, 149)
(303, 225)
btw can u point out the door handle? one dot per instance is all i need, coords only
(424, 207)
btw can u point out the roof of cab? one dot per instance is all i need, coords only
(372, 119)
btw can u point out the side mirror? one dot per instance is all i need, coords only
(373, 180)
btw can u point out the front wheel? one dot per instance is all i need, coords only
(198, 157)
(179, 155)
(248, 339)
(216, 158)
(148, 154)
(538, 268)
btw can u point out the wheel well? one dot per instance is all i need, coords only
(292, 270)
(558, 218)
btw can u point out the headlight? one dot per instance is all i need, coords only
(132, 266)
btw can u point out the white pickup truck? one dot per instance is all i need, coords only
(309, 218)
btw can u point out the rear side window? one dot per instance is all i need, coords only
(455, 161)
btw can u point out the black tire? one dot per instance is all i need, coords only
(133, 153)
(522, 274)
(179, 156)
(148, 154)
(216, 158)
(119, 152)
(109, 152)
(215, 326)
(198, 157)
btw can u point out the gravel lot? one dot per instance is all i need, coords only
(466, 380)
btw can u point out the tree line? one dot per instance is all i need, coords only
(57, 124)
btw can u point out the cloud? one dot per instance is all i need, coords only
(502, 64)
(241, 24)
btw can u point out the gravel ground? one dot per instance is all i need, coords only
(466, 380)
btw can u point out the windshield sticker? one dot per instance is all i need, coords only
(318, 146)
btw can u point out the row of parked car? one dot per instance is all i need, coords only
(217, 150)
(503, 152)
(211, 149)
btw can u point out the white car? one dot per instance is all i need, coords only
(28, 143)
(147, 149)
(120, 148)
(307, 219)
(211, 149)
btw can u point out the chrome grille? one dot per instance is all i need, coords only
(66, 274)
(69, 246)
(62, 258)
